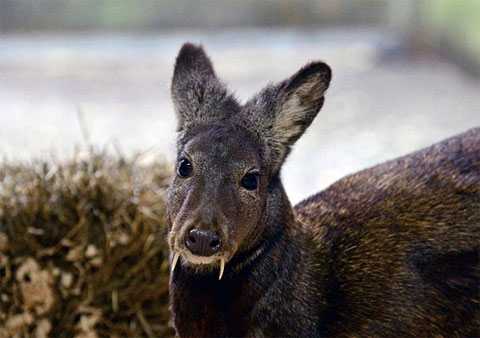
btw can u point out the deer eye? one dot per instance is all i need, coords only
(185, 168)
(249, 181)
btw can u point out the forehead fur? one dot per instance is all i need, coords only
(223, 142)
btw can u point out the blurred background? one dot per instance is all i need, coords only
(75, 73)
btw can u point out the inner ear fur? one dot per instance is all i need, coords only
(281, 113)
(300, 100)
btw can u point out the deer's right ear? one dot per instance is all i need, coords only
(197, 93)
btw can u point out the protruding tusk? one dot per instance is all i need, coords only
(222, 267)
(175, 260)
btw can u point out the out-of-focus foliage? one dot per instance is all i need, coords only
(452, 26)
(82, 252)
(55, 15)
(455, 20)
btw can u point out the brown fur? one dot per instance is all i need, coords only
(405, 240)
(392, 251)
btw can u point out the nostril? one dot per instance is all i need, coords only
(191, 238)
(215, 243)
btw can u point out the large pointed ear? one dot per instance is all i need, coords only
(282, 112)
(198, 96)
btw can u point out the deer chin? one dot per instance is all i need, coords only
(199, 262)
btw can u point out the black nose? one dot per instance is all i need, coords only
(202, 242)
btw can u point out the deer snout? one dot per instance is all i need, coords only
(203, 242)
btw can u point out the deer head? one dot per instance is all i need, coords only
(229, 157)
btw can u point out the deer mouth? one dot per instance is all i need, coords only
(194, 260)
(199, 258)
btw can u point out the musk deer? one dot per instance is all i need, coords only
(392, 251)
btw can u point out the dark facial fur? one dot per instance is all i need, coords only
(212, 197)
(389, 252)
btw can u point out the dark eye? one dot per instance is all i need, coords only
(185, 168)
(249, 181)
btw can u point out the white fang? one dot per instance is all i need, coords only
(175, 260)
(222, 268)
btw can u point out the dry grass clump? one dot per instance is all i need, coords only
(82, 252)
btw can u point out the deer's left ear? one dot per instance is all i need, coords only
(300, 99)
(284, 111)
(198, 96)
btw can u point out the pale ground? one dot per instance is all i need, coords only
(378, 107)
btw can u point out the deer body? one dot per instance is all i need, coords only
(404, 241)
(392, 251)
